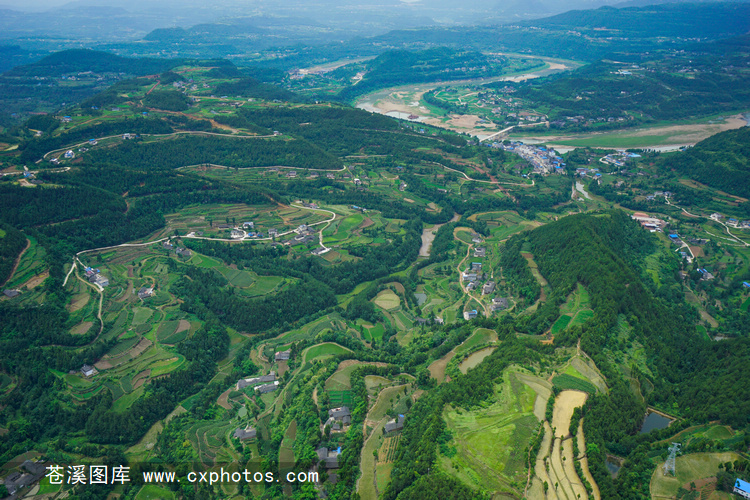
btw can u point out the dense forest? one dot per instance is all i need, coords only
(721, 161)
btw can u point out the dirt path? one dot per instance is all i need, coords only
(18, 261)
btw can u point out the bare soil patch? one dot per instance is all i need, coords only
(184, 325)
(140, 379)
(565, 403)
(697, 251)
(103, 365)
(36, 280)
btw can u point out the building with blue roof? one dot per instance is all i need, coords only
(674, 236)
(741, 488)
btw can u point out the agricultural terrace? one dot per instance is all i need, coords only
(208, 219)
(144, 331)
(555, 474)
(378, 452)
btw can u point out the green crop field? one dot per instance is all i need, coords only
(264, 285)
(340, 398)
(340, 381)
(123, 346)
(479, 337)
(565, 381)
(141, 315)
(166, 329)
(242, 279)
(582, 317)
(326, 349)
(561, 324)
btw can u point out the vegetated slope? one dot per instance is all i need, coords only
(715, 20)
(12, 242)
(632, 29)
(702, 80)
(721, 161)
(398, 67)
(75, 60)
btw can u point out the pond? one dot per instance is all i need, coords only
(612, 466)
(654, 421)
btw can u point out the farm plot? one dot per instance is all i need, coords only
(154, 492)
(473, 360)
(324, 350)
(286, 450)
(30, 265)
(263, 285)
(207, 440)
(479, 337)
(387, 300)
(437, 367)
(555, 461)
(490, 441)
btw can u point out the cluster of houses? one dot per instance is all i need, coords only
(94, 276)
(731, 221)
(543, 160)
(145, 292)
(473, 277)
(305, 235)
(338, 418)
(618, 159)
(651, 223)
(30, 473)
(180, 251)
(652, 197)
(261, 385)
(588, 172)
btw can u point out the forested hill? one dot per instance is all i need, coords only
(721, 161)
(86, 60)
(684, 20)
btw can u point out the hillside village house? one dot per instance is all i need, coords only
(247, 382)
(246, 433)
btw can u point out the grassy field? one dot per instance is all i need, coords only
(479, 337)
(691, 467)
(490, 441)
(153, 492)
